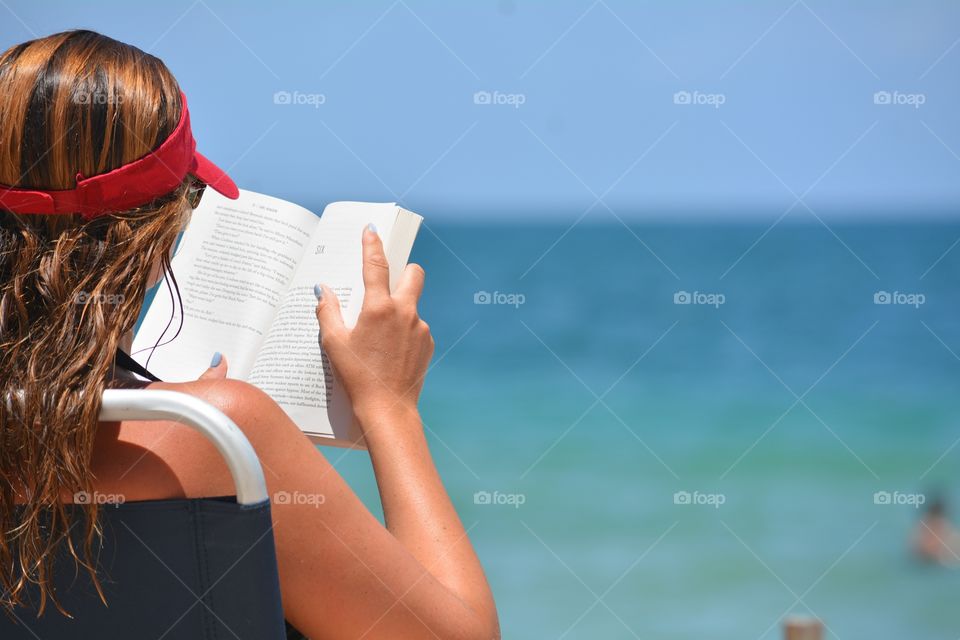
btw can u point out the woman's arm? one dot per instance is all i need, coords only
(382, 362)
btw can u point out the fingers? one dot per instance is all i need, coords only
(328, 310)
(217, 370)
(410, 285)
(376, 269)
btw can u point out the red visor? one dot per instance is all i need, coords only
(130, 186)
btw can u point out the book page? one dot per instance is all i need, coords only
(290, 366)
(233, 267)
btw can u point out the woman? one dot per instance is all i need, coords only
(77, 254)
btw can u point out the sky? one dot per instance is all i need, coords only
(519, 109)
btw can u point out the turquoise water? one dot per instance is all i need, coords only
(511, 406)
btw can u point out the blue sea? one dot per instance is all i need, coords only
(632, 466)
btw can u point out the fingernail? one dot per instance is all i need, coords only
(215, 362)
(318, 291)
(372, 227)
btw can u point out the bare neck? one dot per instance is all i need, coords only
(126, 342)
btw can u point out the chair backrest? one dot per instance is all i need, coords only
(183, 568)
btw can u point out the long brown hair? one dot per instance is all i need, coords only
(74, 102)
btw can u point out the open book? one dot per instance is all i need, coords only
(246, 270)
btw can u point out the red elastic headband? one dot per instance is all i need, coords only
(130, 186)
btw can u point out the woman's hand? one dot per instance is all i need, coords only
(381, 361)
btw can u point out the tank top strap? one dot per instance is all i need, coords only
(124, 361)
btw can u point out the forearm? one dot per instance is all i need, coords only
(417, 510)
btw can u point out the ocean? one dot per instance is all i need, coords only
(688, 430)
(696, 429)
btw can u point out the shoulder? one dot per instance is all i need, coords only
(191, 463)
(257, 414)
(228, 395)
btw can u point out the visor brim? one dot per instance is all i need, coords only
(214, 177)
